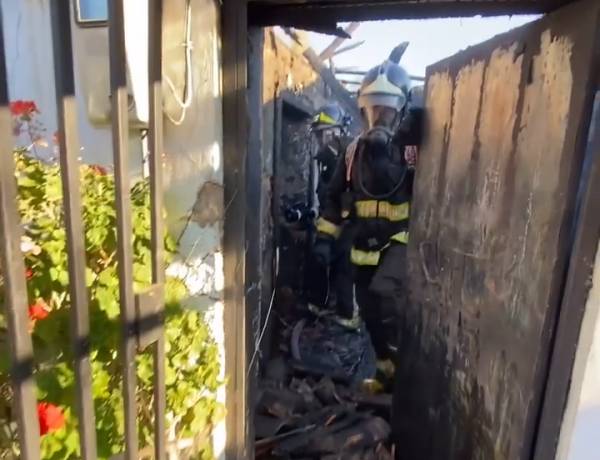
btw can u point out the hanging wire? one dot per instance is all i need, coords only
(188, 89)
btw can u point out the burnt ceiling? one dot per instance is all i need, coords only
(322, 15)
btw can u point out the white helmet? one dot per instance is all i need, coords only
(387, 84)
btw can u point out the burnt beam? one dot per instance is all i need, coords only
(327, 76)
(303, 15)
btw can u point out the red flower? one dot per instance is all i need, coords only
(23, 109)
(98, 170)
(38, 311)
(51, 417)
(29, 273)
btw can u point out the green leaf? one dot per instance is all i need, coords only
(108, 277)
(108, 301)
(65, 376)
(90, 277)
(71, 443)
(142, 273)
(24, 181)
(175, 291)
(63, 278)
(145, 369)
(100, 383)
(170, 375)
(53, 189)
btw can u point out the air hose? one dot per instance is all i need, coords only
(363, 188)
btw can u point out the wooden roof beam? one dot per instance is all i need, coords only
(330, 51)
(263, 13)
(343, 96)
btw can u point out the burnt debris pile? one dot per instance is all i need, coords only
(322, 397)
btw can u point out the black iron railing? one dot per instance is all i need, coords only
(141, 315)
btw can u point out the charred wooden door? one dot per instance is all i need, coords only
(294, 186)
(490, 236)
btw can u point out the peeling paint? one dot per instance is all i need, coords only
(201, 276)
(208, 208)
(495, 137)
(539, 148)
(464, 120)
(438, 110)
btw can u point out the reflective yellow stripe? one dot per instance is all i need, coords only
(324, 118)
(329, 228)
(395, 212)
(366, 208)
(400, 237)
(358, 257)
(382, 209)
(371, 258)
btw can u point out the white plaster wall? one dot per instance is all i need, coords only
(193, 149)
(581, 425)
(28, 51)
(193, 171)
(28, 44)
(90, 56)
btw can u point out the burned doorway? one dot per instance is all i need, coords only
(293, 200)
(284, 15)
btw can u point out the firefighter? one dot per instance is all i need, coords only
(370, 193)
(329, 127)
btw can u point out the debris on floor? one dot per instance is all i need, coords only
(322, 397)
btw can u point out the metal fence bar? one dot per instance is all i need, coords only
(155, 135)
(15, 289)
(69, 167)
(119, 101)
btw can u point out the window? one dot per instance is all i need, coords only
(91, 12)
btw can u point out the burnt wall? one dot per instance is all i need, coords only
(494, 197)
(292, 91)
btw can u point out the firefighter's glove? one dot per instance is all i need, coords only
(322, 251)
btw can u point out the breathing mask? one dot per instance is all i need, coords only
(381, 123)
(325, 136)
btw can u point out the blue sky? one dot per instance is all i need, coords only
(430, 40)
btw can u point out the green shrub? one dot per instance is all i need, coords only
(192, 367)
